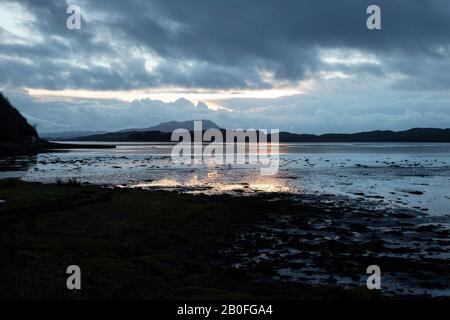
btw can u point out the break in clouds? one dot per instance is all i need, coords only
(304, 66)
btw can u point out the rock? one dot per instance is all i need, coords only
(358, 227)
(265, 267)
(396, 233)
(427, 228)
(415, 192)
(377, 246)
(236, 272)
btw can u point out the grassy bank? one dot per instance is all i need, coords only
(129, 244)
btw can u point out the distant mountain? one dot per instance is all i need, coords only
(68, 134)
(13, 126)
(412, 135)
(173, 125)
(161, 132)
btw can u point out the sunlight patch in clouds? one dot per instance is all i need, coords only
(173, 94)
(335, 74)
(347, 57)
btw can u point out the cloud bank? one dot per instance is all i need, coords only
(355, 78)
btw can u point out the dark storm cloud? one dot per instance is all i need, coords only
(226, 44)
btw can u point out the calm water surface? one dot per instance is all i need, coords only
(411, 175)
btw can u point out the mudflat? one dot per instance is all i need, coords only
(132, 243)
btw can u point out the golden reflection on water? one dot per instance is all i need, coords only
(215, 182)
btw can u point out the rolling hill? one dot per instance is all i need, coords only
(412, 135)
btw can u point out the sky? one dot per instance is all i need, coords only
(294, 65)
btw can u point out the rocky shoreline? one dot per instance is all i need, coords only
(165, 245)
(332, 240)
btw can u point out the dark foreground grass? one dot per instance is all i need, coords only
(130, 244)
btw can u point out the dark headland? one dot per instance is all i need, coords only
(18, 137)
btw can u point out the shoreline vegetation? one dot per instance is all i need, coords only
(140, 244)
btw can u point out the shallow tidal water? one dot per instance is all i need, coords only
(404, 175)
